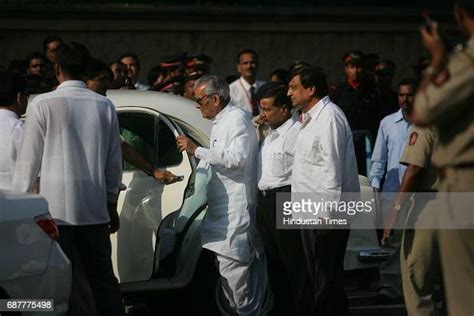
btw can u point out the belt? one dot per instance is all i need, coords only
(270, 192)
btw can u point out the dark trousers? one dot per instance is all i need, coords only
(94, 289)
(325, 258)
(289, 279)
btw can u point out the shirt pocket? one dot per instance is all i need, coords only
(279, 164)
(312, 152)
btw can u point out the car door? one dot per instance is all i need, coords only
(145, 201)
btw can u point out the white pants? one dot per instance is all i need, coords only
(245, 285)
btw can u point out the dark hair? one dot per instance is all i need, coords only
(96, 68)
(10, 85)
(34, 55)
(408, 82)
(73, 58)
(282, 74)
(277, 91)
(153, 74)
(297, 65)
(129, 54)
(18, 66)
(247, 51)
(467, 5)
(51, 38)
(313, 76)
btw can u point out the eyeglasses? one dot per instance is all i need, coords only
(201, 100)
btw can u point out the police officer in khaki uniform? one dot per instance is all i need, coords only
(419, 260)
(446, 99)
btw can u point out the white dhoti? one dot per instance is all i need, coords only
(245, 285)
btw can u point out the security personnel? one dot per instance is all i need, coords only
(446, 99)
(419, 261)
(357, 98)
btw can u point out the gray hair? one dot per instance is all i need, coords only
(214, 85)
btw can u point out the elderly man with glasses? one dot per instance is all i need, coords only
(229, 226)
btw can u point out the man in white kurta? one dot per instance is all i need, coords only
(229, 226)
(12, 106)
(324, 165)
(71, 136)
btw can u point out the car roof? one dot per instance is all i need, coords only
(171, 105)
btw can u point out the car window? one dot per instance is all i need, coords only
(196, 136)
(139, 130)
(168, 153)
(151, 137)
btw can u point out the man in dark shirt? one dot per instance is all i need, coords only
(357, 98)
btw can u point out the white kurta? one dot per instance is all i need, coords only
(71, 135)
(232, 157)
(229, 227)
(10, 134)
(325, 159)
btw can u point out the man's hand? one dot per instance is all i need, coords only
(164, 176)
(258, 120)
(114, 223)
(388, 225)
(435, 46)
(184, 143)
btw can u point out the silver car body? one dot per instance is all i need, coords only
(32, 265)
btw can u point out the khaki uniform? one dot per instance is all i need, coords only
(450, 106)
(419, 257)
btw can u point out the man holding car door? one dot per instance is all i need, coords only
(229, 226)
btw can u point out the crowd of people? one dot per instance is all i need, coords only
(295, 134)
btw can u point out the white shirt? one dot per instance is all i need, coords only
(71, 135)
(325, 159)
(141, 86)
(240, 93)
(232, 157)
(10, 135)
(277, 154)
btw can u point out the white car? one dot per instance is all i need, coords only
(158, 244)
(32, 265)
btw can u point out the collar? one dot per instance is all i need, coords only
(72, 84)
(398, 116)
(247, 85)
(316, 109)
(8, 113)
(221, 114)
(283, 128)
